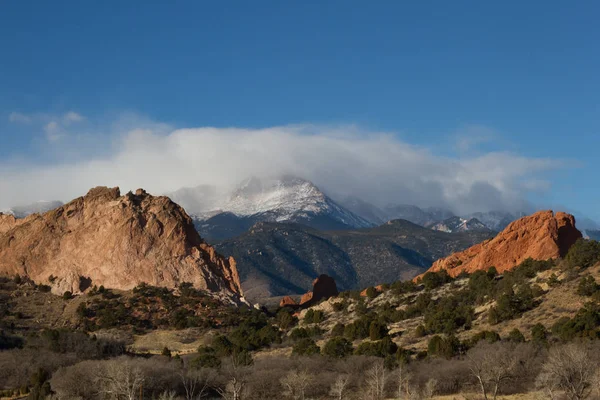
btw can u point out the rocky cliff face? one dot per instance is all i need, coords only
(117, 241)
(541, 236)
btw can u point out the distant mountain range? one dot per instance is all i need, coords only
(288, 199)
(220, 216)
(280, 258)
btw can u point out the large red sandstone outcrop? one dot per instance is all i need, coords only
(324, 287)
(540, 236)
(117, 241)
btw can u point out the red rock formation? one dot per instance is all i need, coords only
(378, 288)
(117, 241)
(8, 221)
(540, 236)
(287, 301)
(324, 287)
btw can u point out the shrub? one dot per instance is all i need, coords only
(449, 314)
(166, 352)
(10, 342)
(584, 253)
(516, 336)
(511, 305)
(539, 334)
(305, 347)
(377, 330)
(206, 358)
(528, 269)
(381, 348)
(303, 333)
(44, 288)
(338, 330)
(587, 286)
(242, 358)
(359, 329)
(584, 324)
(402, 287)
(492, 272)
(222, 346)
(420, 331)
(432, 280)
(361, 307)
(340, 306)
(443, 347)
(314, 316)
(480, 285)
(67, 295)
(337, 347)
(488, 336)
(553, 280)
(372, 292)
(285, 318)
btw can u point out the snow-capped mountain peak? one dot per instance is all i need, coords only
(282, 199)
(458, 224)
(287, 199)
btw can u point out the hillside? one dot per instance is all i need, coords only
(276, 259)
(426, 337)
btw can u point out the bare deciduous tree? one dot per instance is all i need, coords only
(196, 382)
(430, 388)
(494, 364)
(547, 384)
(375, 379)
(295, 384)
(167, 395)
(572, 368)
(235, 388)
(403, 377)
(339, 388)
(120, 379)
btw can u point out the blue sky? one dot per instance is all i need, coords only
(459, 79)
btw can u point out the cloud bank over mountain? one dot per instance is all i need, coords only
(343, 161)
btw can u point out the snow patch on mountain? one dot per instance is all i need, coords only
(458, 224)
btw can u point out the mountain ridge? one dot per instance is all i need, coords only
(283, 258)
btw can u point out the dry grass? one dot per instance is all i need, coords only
(184, 341)
(475, 396)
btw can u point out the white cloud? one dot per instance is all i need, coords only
(377, 167)
(19, 118)
(71, 117)
(54, 125)
(470, 137)
(54, 132)
(51, 127)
